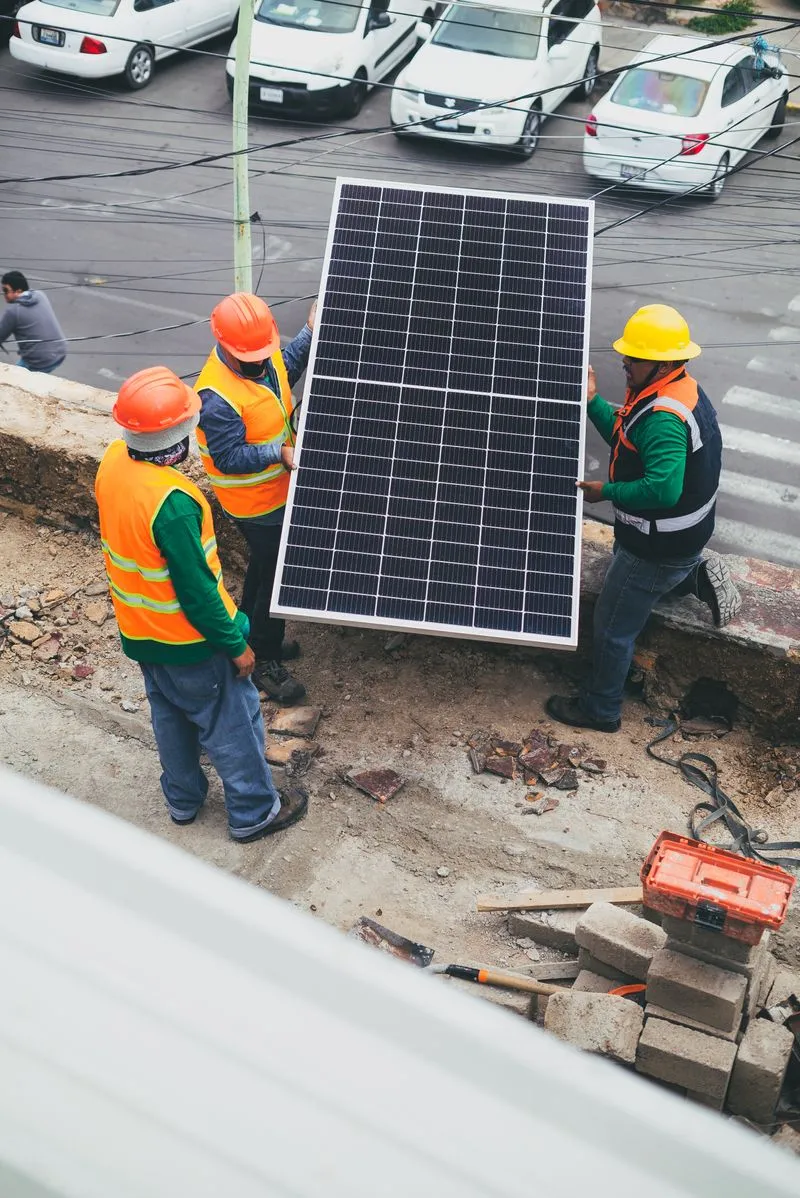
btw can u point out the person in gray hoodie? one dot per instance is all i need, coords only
(31, 319)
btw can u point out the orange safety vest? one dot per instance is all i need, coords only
(267, 420)
(129, 497)
(675, 393)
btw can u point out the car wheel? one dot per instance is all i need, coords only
(355, 94)
(778, 119)
(585, 88)
(229, 85)
(530, 133)
(139, 67)
(715, 187)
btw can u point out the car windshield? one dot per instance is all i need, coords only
(660, 91)
(95, 8)
(489, 31)
(323, 16)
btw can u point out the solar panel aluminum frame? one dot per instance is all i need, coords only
(460, 631)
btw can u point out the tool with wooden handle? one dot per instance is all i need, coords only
(496, 977)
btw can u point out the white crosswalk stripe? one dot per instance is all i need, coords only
(784, 332)
(744, 440)
(784, 369)
(762, 403)
(759, 490)
(752, 541)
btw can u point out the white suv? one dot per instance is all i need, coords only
(491, 75)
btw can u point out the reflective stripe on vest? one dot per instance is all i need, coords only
(669, 523)
(267, 420)
(129, 497)
(664, 403)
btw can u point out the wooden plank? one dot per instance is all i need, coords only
(560, 900)
(553, 971)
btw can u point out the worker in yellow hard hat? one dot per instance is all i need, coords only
(666, 456)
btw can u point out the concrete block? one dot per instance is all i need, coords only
(715, 1103)
(593, 983)
(556, 928)
(652, 915)
(787, 1138)
(745, 968)
(732, 952)
(699, 991)
(786, 983)
(759, 1070)
(756, 985)
(653, 1012)
(620, 939)
(598, 1023)
(686, 1058)
(591, 964)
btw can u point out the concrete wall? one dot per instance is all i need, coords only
(53, 433)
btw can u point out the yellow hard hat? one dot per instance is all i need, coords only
(657, 333)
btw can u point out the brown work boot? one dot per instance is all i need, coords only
(294, 805)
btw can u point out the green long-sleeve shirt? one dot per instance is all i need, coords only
(177, 532)
(660, 440)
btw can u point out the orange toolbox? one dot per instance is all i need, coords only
(715, 889)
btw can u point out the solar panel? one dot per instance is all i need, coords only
(443, 426)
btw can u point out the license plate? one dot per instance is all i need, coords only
(50, 37)
(446, 123)
(271, 95)
(631, 172)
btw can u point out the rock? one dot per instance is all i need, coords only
(52, 597)
(34, 605)
(83, 671)
(504, 766)
(568, 780)
(28, 593)
(380, 784)
(96, 612)
(538, 759)
(296, 721)
(506, 748)
(541, 806)
(23, 613)
(477, 760)
(533, 954)
(99, 587)
(52, 550)
(24, 630)
(443, 871)
(22, 650)
(8, 601)
(279, 752)
(127, 705)
(395, 642)
(48, 649)
(593, 765)
(513, 850)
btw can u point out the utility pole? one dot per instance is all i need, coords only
(242, 242)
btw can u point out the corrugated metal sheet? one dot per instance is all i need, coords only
(167, 1031)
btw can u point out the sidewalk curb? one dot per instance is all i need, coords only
(54, 432)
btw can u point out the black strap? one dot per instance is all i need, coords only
(701, 771)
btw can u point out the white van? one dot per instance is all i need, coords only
(492, 73)
(97, 38)
(320, 57)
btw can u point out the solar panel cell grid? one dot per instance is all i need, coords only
(443, 424)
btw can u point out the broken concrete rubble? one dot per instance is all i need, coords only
(554, 928)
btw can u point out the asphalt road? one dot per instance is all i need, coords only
(133, 255)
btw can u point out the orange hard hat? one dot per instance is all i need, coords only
(244, 326)
(154, 400)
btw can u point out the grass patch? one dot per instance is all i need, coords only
(729, 18)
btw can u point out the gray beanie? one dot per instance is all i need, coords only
(157, 442)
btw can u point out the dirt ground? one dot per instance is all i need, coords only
(417, 862)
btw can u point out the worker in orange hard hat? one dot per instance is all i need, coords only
(176, 619)
(666, 457)
(246, 440)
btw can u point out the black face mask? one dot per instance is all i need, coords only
(254, 370)
(173, 456)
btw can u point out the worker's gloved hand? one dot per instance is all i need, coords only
(287, 457)
(312, 315)
(244, 663)
(593, 492)
(591, 385)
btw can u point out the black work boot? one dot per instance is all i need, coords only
(568, 710)
(716, 588)
(294, 805)
(277, 683)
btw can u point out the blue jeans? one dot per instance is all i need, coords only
(41, 369)
(631, 588)
(205, 706)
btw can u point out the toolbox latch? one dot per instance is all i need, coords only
(710, 916)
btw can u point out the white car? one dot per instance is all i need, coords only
(491, 74)
(320, 57)
(681, 123)
(97, 38)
